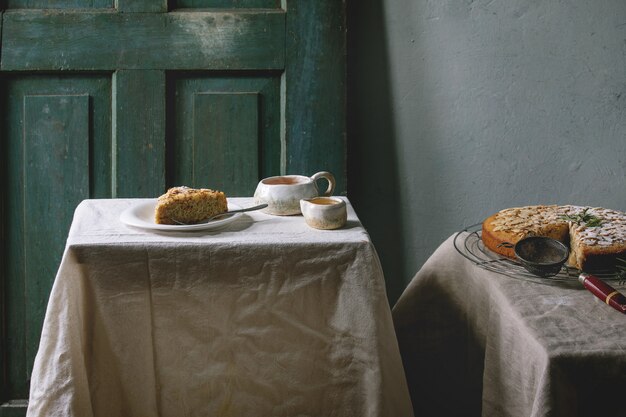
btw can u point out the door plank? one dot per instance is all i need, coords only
(316, 49)
(56, 174)
(225, 142)
(142, 6)
(228, 4)
(139, 133)
(58, 4)
(44, 40)
(3, 239)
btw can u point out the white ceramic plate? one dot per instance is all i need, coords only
(142, 215)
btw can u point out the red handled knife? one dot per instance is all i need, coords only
(604, 291)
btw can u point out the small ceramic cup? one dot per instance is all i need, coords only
(324, 212)
(282, 194)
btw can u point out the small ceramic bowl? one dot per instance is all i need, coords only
(324, 212)
(541, 256)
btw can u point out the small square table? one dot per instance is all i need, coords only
(265, 317)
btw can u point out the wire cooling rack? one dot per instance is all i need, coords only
(469, 244)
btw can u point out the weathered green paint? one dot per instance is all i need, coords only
(228, 4)
(186, 87)
(56, 177)
(139, 133)
(208, 98)
(225, 142)
(141, 6)
(58, 4)
(27, 221)
(3, 246)
(3, 238)
(316, 109)
(44, 40)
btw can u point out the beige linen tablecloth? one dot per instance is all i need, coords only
(267, 317)
(476, 343)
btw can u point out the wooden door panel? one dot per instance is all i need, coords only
(59, 4)
(44, 40)
(225, 141)
(228, 4)
(56, 178)
(141, 6)
(55, 152)
(226, 130)
(315, 73)
(139, 122)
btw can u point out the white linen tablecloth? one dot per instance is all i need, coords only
(266, 317)
(478, 343)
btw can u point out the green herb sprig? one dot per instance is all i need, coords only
(583, 217)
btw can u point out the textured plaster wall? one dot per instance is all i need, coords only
(459, 108)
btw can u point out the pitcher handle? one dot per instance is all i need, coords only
(331, 182)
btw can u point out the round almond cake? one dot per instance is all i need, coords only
(596, 236)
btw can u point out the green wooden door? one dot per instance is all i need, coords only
(104, 98)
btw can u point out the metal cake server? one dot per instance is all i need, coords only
(228, 213)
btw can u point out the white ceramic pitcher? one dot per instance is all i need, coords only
(283, 193)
